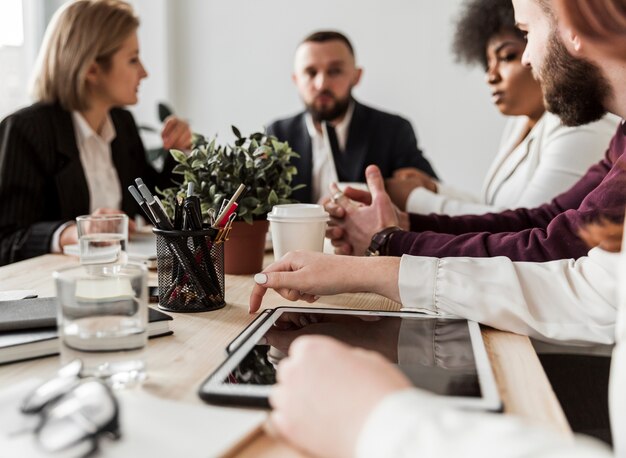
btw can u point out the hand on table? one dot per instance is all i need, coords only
(306, 275)
(320, 402)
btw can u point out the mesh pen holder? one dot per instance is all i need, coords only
(191, 270)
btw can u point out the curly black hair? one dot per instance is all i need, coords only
(479, 21)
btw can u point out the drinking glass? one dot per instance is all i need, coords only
(102, 320)
(103, 239)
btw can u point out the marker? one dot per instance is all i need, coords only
(142, 203)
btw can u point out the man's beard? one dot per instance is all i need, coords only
(328, 114)
(574, 89)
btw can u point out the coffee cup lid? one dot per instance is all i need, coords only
(298, 212)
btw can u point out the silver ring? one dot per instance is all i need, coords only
(335, 197)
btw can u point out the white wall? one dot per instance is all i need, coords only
(229, 62)
(232, 62)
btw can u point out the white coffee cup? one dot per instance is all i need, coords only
(297, 227)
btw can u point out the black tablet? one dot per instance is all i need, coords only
(443, 355)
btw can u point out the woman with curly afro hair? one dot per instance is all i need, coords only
(538, 156)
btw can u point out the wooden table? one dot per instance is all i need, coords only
(179, 363)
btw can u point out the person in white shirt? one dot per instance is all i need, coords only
(538, 157)
(385, 416)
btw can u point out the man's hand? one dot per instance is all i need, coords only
(176, 134)
(351, 227)
(320, 402)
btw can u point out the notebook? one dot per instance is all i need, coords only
(28, 328)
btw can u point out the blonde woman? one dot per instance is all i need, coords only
(75, 150)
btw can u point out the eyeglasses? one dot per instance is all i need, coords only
(73, 412)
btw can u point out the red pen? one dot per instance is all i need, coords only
(229, 211)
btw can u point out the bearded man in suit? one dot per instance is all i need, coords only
(336, 136)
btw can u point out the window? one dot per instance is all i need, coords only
(13, 77)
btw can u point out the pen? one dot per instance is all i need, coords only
(227, 214)
(192, 208)
(142, 203)
(232, 200)
(164, 221)
(178, 213)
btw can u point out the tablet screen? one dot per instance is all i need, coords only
(435, 354)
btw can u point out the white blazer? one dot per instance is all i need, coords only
(546, 163)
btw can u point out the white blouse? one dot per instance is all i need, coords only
(562, 301)
(549, 160)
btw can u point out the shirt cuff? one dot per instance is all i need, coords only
(420, 201)
(417, 282)
(55, 247)
(390, 421)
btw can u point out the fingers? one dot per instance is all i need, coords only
(375, 181)
(176, 133)
(264, 281)
(358, 195)
(403, 173)
(256, 298)
(334, 232)
(335, 211)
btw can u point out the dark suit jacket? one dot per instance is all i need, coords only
(42, 182)
(374, 137)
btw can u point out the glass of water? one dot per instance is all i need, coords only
(103, 239)
(102, 320)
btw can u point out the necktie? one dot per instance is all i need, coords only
(341, 160)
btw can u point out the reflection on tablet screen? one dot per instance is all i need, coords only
(436, 354)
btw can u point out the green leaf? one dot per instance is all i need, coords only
(236, 131)
(178, 156)
(272, 199)
(180, 169)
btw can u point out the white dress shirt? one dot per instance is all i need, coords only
(565, 301)
(562, 299)
(105, 190)
(103, 183)
(547, 162)
(324, 172)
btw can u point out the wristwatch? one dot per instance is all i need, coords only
(378, 246)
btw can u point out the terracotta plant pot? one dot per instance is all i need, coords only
(244, 251)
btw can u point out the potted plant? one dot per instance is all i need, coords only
(262, 164)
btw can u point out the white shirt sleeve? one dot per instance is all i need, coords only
(413, 423)
(560, 157)
(55, 246)
(566, 301)
(447, 201)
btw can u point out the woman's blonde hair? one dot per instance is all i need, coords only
(79, 34)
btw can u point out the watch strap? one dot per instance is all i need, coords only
(378, 246)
